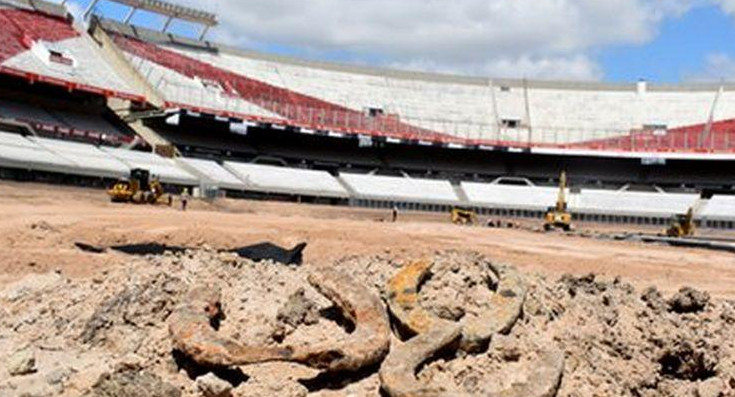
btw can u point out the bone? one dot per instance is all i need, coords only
(190, 328)
(398, 372)
(542, 381)
(369, 343)
(505, 306)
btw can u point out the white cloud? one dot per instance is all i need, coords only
(532, 38)
(727, 5)
(717, 67)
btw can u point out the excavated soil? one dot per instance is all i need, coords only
(78, 323)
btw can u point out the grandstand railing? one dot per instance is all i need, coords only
(447, 131)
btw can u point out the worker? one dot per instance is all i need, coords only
(395, 213)
(184, 198)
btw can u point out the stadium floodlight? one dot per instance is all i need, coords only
(169, 10)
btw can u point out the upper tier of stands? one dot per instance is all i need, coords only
(46, 47)
(409, 106)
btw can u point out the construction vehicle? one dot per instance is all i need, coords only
(558, 216)
(682, 225)
(463, 216)
(139, 188)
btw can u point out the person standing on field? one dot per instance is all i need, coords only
(184, 198)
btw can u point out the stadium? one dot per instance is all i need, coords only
(282, 149)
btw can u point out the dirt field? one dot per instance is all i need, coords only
(580, 318)
(40, 225)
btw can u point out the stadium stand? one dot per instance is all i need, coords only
(291, 181)
(631, 203)
(19, 152)
(389, 188)
(211, 173)
(164, 168)
(236, 108)
(46, 47)
(88, 160)
(74, 125)
(508, 196)
(720, 207)
(418, 106)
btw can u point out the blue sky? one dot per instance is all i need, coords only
(664, 41)
(678, 53)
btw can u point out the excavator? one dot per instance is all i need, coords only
(558, 216)
(139, 188)
(682, 225)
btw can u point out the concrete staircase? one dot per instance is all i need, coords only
(122, 107)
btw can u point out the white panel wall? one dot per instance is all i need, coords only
(507, 196)
(400, 189)
(720, 207)
(610, 202)
(270, 179)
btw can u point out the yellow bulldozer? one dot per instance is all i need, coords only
(463, 216)
(558, 216)
(139, 188)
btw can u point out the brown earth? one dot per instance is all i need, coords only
(97, 322)
(40, 225)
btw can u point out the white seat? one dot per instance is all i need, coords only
(401, 189)
(720, 207)
(165, 169)
(271, 179)
(632, 203)
(88, 159)
(509, 196)
(211, 172)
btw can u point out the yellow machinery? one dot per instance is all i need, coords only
(463, 216)
(138, 189)
(682, 225)
(559, 216)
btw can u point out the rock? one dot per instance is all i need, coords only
(57, 376)
(212, 386)
(449, 312)
(132, 384)
(131, 362)
(654, 300)
(143, 304)
(23, 362)
(689, 300)
(713, 387)
(298, 310)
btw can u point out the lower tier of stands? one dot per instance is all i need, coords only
(35, 154)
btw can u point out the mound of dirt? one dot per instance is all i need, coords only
(617, 341)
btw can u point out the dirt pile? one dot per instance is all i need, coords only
(95, 336)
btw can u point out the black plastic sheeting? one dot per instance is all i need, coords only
(256, 252)
(263, 251)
